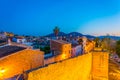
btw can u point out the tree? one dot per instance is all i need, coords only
(108, 44)
(15, 35)
(105, 43)
(46, 49)
(112, 45)
(97, 42)
(56, 30)
(118, 48)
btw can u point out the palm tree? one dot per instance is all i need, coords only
(56, 30)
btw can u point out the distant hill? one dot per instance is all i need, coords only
(74, 34)
(59, 34)
(111, 37)
(90, 36)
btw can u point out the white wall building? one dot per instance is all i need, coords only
(21, 40)
(77, 50)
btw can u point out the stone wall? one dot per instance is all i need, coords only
(18, 62)
(91, 66)
(100, 66)
(78, 68)
(49, 60)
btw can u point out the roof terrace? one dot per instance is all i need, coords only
(7, 50)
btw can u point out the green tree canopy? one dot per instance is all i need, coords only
(46, 49)
(118, 48)
(97, 41)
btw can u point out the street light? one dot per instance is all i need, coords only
(63, 56)
(1, 72)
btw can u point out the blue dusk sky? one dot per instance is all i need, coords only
(39, 17)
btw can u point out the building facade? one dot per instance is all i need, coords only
(90, 45)
(14, 60)
(19, 39)
(61, 49)
(76, 50)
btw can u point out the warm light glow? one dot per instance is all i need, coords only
(91, 66)
(2, 71)
(66, 70)
(63, 56)
(14, 64)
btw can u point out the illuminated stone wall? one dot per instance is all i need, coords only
(78, 68)
(100, 66)
(91, 66)
(20, 61)
(49, 60)
(61, 49)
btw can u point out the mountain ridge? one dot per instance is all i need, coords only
(73, 34)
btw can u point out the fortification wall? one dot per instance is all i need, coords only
(78, 68)
(91, 66)
(18, 62)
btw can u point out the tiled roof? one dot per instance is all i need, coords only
(20, 37)
(61, 41)
(7, 50)
(2, 42)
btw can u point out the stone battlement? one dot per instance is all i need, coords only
(91, 66)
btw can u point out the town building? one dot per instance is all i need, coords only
(14, 60)
(90, 45)
(83, 46)
(2, 35)
(9, 34)
(61, 49)
(76, 50)
(19, 39)
(2, 42)
(84, 39)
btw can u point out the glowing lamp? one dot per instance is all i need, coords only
(2, 71)
(63, 56)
